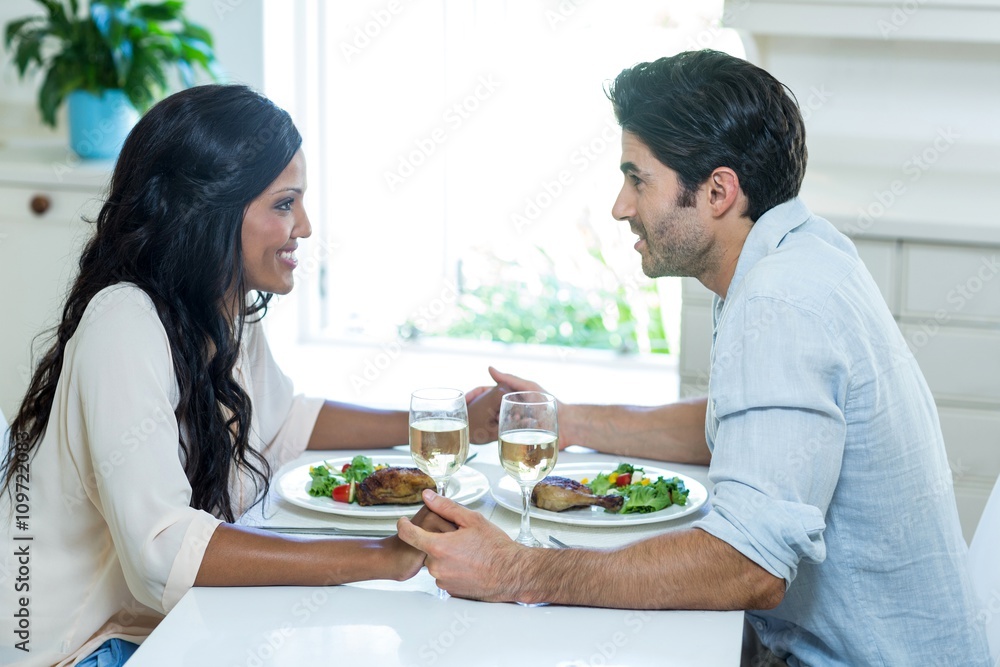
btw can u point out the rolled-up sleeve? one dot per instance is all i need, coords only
(778, 391)
(123, 373)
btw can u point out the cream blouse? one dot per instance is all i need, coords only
(114, 543)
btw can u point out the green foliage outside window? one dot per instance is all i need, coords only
(515, 304)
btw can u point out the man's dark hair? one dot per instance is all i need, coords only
(700, 110)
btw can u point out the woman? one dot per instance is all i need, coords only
(158, 414)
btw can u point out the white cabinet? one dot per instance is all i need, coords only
(42, 229)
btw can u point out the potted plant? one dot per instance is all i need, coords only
(110, 61)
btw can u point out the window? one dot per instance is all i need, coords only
(463, 161)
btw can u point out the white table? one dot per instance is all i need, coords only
(403, 623)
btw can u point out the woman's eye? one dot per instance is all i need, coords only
(285, 205)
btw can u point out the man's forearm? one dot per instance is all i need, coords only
(687, 569)
(343, 426)
(674, 432)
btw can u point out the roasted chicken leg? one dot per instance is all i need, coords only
(561, 493)
(393, 486)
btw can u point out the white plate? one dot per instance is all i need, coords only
(507, 493)
(465, 486)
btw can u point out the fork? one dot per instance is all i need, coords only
(559, 543)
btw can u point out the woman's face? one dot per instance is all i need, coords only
(272, 224)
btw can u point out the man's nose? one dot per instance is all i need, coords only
(624, 207)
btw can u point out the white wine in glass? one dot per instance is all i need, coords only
(439, 433)
(528, 440)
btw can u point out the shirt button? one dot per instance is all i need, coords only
(759, 625)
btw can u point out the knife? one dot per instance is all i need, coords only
(329, 530)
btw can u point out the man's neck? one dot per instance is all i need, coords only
(727, 256)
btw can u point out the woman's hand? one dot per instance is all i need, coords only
(404, 560)
(484, 405)
(513, 383)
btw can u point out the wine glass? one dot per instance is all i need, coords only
(439, 433)
(528, 446)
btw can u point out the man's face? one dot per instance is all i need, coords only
(673, 240)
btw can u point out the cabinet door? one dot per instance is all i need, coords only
(880, 259)
(972, 438)
(960, 364)
(951, 283)
(38, 259)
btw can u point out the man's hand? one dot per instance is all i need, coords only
(476, 561)
(514, 383)
(405, 561)
(431, 522)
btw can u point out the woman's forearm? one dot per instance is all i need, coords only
(238, 556)
(344, 426)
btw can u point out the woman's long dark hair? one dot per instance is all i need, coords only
(172, 226)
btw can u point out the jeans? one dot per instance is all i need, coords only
(112, 653)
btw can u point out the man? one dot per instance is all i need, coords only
(833, 518)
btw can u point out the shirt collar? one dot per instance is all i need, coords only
(765, 236)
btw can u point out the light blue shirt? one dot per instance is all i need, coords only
(828, 461)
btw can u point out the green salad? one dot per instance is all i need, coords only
(642, 494)
(340, 483)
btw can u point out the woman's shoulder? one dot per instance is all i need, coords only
(122, 311)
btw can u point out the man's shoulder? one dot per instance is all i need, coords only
(808, 267)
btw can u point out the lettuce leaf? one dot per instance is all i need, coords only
(644, 499)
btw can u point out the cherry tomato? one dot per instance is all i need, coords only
(346, 466)
(624, 479)
(342, 493)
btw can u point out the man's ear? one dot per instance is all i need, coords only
(723, 190)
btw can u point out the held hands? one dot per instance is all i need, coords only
(478, 560)
(484, 407)
(405, 560)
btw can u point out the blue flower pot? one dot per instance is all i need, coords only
(98, 124)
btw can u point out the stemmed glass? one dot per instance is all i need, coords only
(439, 436)
(528, 446)
(439, 433)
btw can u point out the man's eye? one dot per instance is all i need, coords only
(635, 180)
